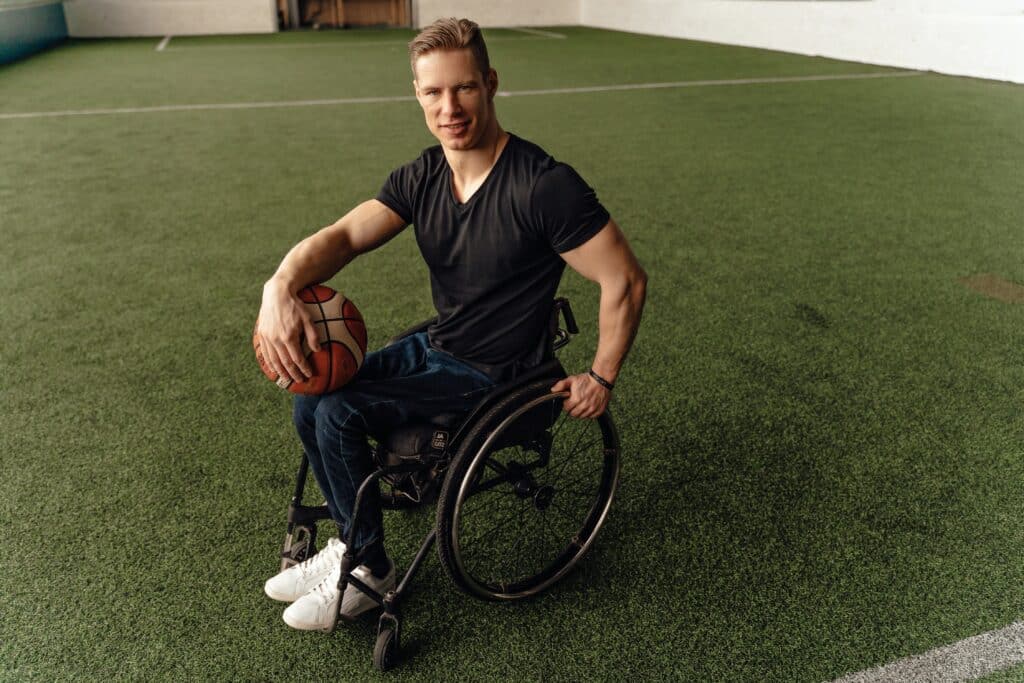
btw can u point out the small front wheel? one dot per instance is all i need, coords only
(299, 545)
(385, 652)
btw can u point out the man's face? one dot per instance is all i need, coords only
(457, 100)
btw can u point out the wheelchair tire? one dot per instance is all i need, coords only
(385, 650)
(525, 495)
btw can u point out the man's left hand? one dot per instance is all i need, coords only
(586, 399)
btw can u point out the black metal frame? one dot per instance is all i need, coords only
(304, 517)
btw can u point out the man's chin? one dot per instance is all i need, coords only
(459, 144)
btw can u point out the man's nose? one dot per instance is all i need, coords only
(450, 103)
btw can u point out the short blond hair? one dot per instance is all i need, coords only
(451, 34)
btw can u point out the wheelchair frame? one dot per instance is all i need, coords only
(300, 539)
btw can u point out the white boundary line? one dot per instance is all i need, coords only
(163, 44)
(697, 84)
(339, 44)
(536, 32)
(965, 660)
(410, 98)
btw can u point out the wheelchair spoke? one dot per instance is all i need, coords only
(574, 520)
(574, 450)
(485, 502)
(496, 527)
(582, 479)
(572, 456)
(489, 486)
(549, 532)
(561, 421)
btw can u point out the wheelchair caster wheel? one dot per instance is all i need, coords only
(385, 652)
(299, 545)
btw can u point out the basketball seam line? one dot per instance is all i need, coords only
(327, 331)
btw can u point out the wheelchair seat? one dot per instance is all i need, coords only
(419, 437)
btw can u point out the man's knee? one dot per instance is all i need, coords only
(337, 411)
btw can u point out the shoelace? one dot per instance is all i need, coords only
(328, 556)
(327, 590)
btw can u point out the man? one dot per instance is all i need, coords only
(496, 219)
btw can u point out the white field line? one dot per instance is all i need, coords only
(334, 45)
(410, 98)
(697, 84)
(536, 32)
(163, 44)
(965, 660)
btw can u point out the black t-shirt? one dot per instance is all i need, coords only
(494, 261)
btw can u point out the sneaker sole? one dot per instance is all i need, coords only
(280, 597)
(303, 626)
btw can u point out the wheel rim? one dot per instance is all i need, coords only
(521, 523)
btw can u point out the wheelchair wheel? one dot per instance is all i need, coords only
(299, 545)
(525, 495)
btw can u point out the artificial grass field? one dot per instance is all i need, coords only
(821, 427)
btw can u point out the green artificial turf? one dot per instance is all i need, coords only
(1012, 675)
(821, 428)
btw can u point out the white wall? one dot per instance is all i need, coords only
(99, 18)
(485, 13)
(983, 38)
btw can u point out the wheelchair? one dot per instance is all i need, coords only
(521, 489)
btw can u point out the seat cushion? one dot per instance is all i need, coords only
(415, 438)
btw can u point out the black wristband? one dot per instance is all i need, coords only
(601, 380)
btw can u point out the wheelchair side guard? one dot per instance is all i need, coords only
(422, 444)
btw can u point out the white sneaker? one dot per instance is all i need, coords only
(294, 582)
(314, 611)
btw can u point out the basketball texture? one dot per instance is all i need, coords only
(342, 334)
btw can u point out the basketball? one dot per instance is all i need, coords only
(342, 334)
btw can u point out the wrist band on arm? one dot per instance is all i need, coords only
(602, 381)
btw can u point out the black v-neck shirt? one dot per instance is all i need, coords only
(494, 260)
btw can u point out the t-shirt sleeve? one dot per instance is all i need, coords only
(566, 209)
(398, 191)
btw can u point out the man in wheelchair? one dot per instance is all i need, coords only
(496, 219)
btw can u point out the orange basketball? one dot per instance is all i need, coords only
(342, 335)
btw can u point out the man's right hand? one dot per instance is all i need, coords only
(282, 323)
(283, 320)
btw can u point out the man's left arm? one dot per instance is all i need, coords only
(607, 260)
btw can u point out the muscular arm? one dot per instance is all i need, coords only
(607, 260)
(282, 318)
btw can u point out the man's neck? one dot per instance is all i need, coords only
(470, 167)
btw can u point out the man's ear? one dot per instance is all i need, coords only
(492, 82)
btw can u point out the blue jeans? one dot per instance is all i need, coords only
(406, 381)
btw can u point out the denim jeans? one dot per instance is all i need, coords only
(406, 381)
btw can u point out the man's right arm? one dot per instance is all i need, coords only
(283, 319)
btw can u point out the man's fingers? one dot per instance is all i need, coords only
(586, 398)
(270, 357)
(298, 367)
(312, 338)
